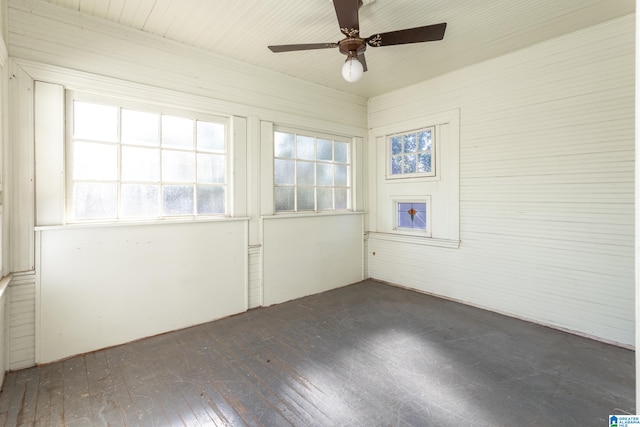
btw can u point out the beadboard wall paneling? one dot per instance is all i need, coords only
(4, 325)
(21, 320)
(255, 277)
(546, 184)
(44, 33)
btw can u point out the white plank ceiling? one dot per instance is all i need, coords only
(241, 29)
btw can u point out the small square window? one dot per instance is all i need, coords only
(412, 215)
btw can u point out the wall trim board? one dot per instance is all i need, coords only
(415, 240)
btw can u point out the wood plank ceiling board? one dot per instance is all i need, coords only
(476, 31)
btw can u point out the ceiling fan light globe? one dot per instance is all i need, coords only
(352, 70)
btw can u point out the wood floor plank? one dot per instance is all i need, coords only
(104, 401)
(77, 399)
(56, 408)
(43, 403)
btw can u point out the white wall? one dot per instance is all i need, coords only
(101, 286)
(307, 255)
(546, 184)
(112, 290)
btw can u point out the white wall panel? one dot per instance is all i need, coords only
(19, 166)
(307, 255)
(546, 184)
(102, 286)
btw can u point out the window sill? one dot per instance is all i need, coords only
(139, 223)
(312, 214)
(415, 240)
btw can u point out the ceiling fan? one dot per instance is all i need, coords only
(354, 46)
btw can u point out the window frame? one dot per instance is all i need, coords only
(350, 172)
(396, 200)
(156, 108)
(433, 152)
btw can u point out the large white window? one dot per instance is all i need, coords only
(311, 172)
(135, 162)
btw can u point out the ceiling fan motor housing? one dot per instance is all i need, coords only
(352, 44)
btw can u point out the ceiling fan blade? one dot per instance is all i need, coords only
(308, 46)
(347, 13)
(428, 33)
(362, 61)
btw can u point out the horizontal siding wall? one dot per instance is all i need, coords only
(52, 35)
(21, 320)
(546, 184)
(255, 277)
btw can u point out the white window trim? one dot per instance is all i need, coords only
(444, 188)
(71, 96)
(409, 231)
(316, 134)
(434, 155)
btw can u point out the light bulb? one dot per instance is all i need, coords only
(352, 70)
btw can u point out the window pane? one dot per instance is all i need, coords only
(140, 164)
(410, 163)
(177, 200)
(94, 121)
(284, 172)
(284, 198)
(342, 175)
(178, 166)
(325, 198)
(396, 145)
(140, 128)
(95, 161)
(324, 174)
(212, 168)
(177, 131)
(410, 143)
(94, 200)
(396, 165)
(283, 144)
(305, 148)
(210, 136)
(424, 162)
(140, 200)
(424, 140)
(342, 152)
(404, 220)
(412, 215)
(325, 149)
(420, 220)
(306, 200)
(342, 198)
(305, 173)
(211, 200)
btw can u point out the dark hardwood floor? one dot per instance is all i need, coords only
(364, 355)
